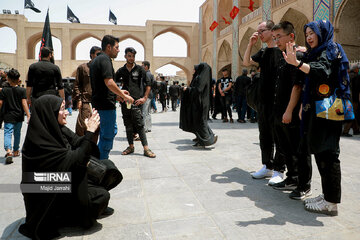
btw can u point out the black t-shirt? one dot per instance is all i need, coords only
(268, 59)
(134, 81)
(12, 103)
(45, 78)
(101, 68)
(286, 76)
(224, 83)
(242, 82)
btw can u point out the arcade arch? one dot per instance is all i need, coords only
(80, 38)
(10, 45)
(345, 31)
(56, 46)
(173, 67)
(206, 23)
(298, 19)
(177, 32)
(131, 42)
(83, 48)
(224, 8)
(207, 57)
(224, 54)
(163, 45)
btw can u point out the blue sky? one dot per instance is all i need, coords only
(128, 12)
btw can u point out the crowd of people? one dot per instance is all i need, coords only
(290, 81)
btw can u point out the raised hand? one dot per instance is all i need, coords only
(290, 55)
(93, 122)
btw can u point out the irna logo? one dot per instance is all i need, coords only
(52, 177)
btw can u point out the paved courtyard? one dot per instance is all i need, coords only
(199, 194)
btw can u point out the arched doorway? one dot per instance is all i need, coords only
(346, 32)
(79, 39)
(130, 42)
(84, 46)
(298, 19)
(56, 46)
(174, 71)
(162, 48)
(177, 32)
(10, 44)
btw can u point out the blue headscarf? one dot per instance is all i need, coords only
(325, 32)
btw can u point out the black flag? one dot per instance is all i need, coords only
(71, 16)
(46, 40)
(30, 5)
(112, 17)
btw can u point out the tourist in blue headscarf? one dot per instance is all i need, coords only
(325, 65)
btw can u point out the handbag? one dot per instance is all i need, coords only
(103, 173)
(96, 170)
(334, 108)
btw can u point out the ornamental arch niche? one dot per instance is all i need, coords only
(346, 32)
(207, 21)
(224, 55)
(298, 19)
(224, 9)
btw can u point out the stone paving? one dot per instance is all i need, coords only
(199, 194)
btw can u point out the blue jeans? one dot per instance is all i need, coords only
(108, 131)
(9, 129)
(241, 106)
(153, 103)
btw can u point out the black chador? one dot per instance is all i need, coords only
(51, 147)
(195, 106)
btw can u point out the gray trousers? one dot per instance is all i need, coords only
(145, 110)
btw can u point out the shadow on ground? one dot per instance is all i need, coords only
(11, 231)
(270, 200)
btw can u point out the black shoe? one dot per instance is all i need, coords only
(287, 185)
(195, 140)
(8, 158)
(108, 211)
(346, 135)
(198, 145)
(300, 194)
(214, 117)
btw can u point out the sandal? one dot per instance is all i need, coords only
(16, 153)
(149, 153)
(128, 150)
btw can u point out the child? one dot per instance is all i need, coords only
(13, 99)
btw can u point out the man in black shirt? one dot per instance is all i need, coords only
(224, 87)
(162, 93)
(134, 80)
(174, 94)
(267, 58)
(240, 94)
(288, 85)
(105, 92)
(44, 77)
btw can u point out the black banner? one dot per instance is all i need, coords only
(30, 5)
(46, 40)
(71, 16)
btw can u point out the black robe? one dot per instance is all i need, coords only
(195, 104)
(50, 147)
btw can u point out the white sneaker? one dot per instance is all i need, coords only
(262, 173)
(276, 178)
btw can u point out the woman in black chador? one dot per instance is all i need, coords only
(195, 104)
(52, 147)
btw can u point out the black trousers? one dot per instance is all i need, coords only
(134, 123)
(226, 103)
(163, 102)
(266, 136)
(328, 164)
(174, 103)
